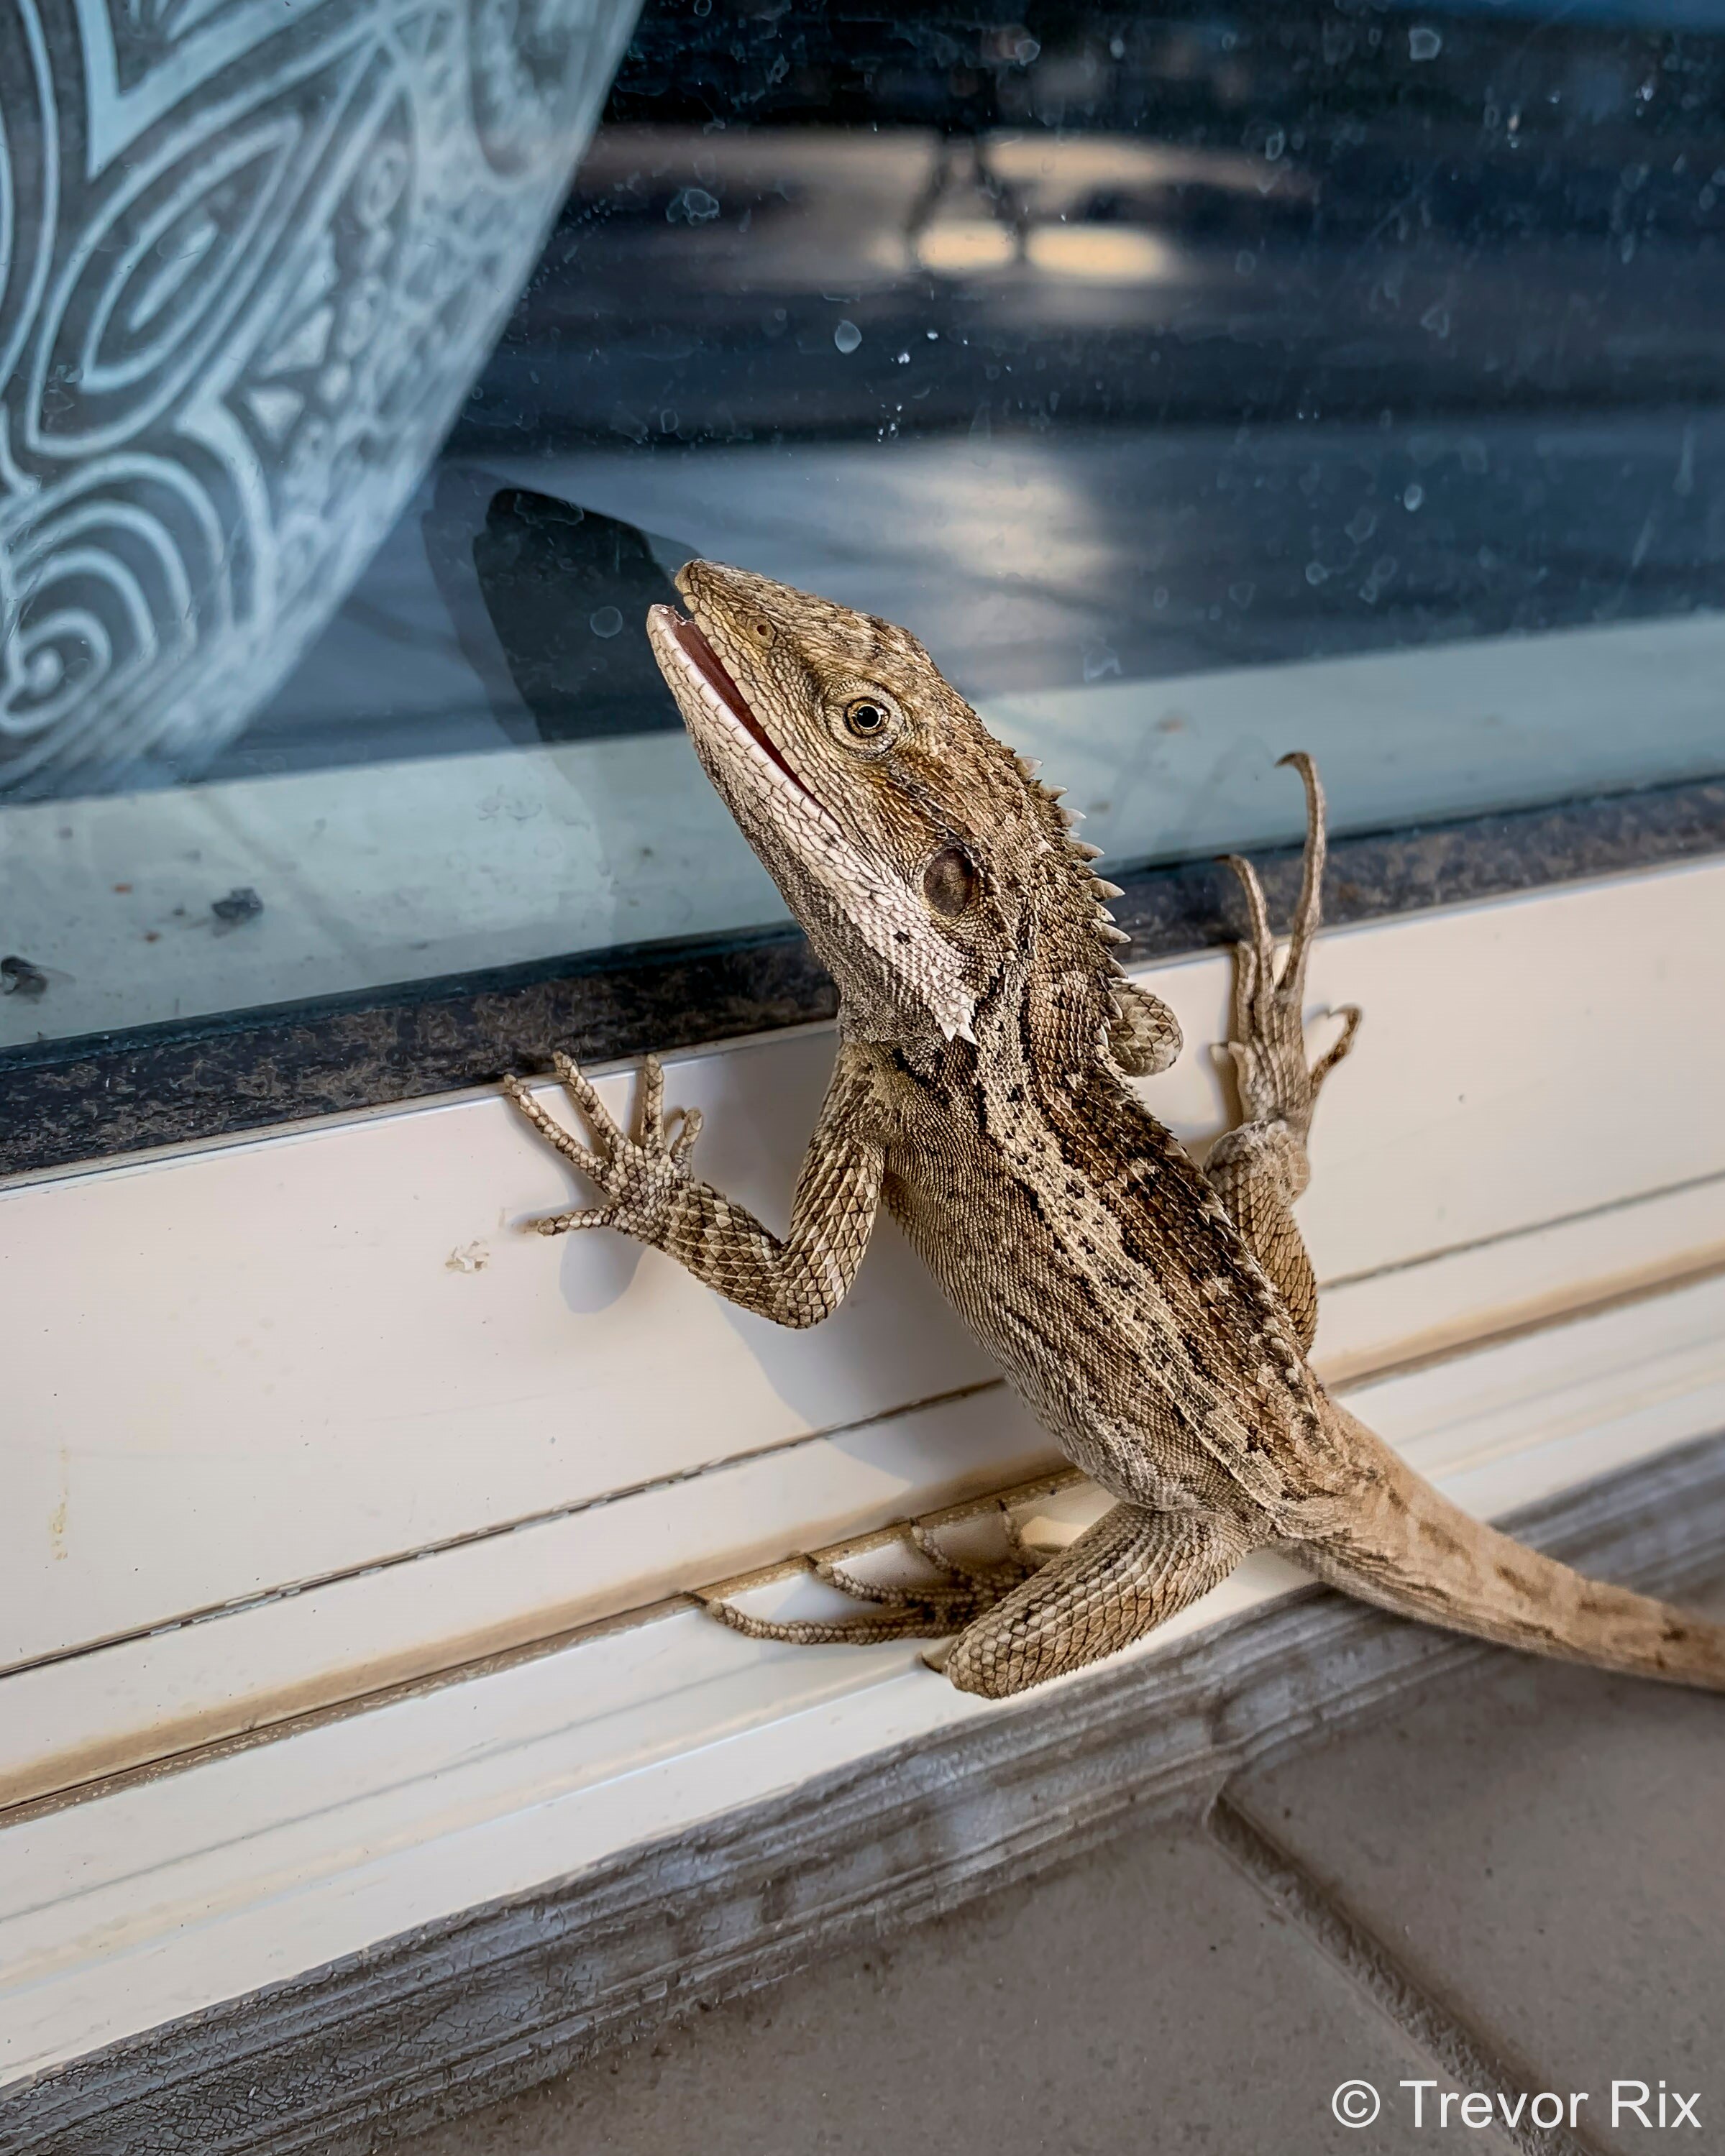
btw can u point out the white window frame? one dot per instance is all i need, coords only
(336, 1624)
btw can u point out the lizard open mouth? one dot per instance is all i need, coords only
(702, 660)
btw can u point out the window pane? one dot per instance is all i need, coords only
(1198, 383)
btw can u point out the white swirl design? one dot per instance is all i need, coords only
(251, 258)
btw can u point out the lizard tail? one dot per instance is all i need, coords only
(1410, 1550)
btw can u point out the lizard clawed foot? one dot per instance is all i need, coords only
(949, 1594)
(1267, 1038)
(640, 1176)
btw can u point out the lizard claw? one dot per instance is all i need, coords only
(953, 1592)
(1267, 1037)
(640, 1176)
(564, 1223)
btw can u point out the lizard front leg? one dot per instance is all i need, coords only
(1260, 1167)
(651, 1194)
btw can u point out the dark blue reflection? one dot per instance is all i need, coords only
(1092, 342)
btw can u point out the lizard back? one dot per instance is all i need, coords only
(1076, 1238)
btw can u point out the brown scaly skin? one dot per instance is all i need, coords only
(1155, 1319)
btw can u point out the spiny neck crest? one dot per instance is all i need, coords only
(1139, 1032)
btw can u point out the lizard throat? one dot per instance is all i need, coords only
(703, 661)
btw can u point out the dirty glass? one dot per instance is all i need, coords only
(1199, 381)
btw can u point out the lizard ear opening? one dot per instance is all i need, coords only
(950, 882)
(1146, 1038)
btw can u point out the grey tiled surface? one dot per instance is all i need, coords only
(1539, 1848)
(1544, 1849)
(1145, 1998)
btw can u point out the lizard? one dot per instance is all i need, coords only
(1156, 1316)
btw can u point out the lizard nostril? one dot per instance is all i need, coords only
(950, 882)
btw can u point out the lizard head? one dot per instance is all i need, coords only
(920, 856)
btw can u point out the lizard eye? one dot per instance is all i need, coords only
(761, 631)
(869, 722)
(950, 882)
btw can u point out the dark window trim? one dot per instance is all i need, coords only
(107, 1094)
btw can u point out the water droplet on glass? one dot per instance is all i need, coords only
(1423, 44)
(847, 336)
(1414, 496)
(693, 206)
(606, 622)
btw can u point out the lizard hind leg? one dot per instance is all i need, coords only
(952, 1593)
(1129, 1573)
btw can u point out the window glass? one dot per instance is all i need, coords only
(1198, 382)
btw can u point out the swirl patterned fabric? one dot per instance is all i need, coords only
(251, 258)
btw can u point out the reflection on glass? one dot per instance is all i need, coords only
(249, 263)
(1196, 383)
